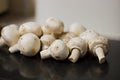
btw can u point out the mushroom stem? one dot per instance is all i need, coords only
(45, 54)
(14, 48)
(100, 54)
(2, 42)
(75, 54)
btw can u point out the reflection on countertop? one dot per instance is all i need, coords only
(25, 68)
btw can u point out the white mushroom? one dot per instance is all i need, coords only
(30, 27)
(97, 44)
(66, 36)
(9, 35)
(99, 47)
(58, 50)
(28, 45)
(77, 28)
(53, 26)
(78, 48)
(46, 41)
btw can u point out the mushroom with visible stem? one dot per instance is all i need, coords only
(97, 44)
(53, 26)
(58, 50)
(46, 41)
(99, 47)
(28, 44)
(30, 27)
(76, 28)
(78, 48)
(9, 35)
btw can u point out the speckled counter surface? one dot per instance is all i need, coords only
(18, 67)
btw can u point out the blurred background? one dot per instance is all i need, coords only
(16, 11)
(101, 15)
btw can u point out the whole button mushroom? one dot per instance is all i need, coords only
(97, 44)
(58, 50)
(30, 27)
(28, 45)
(77, 28)
(99, 47)
(78, 48)
(47, 41)
(53, 26)
(9, 35)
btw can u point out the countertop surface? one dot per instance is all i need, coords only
(18, 67)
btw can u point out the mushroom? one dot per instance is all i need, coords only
(78, 48)
(58, 50)
(30, 27)
(99, 47)
(77, 28)
(9, 35)
(28, 45)
(46, 41)
(97, 44)
(53, 26)
(66, 36)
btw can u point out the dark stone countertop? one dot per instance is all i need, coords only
(19, 67)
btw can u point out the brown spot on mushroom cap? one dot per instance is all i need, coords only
(35, 39)
(56, 48)
(57, 57)
(33, 51)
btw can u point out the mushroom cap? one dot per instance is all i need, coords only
(30, 27)
(89, 35)
(29, 44)
(10, 34)
(66, 36)
(78, 43)
(99, 41)
(54, 25)
(47, 40)
(59, 50)
(77, 28)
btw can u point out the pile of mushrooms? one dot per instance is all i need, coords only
(50, 40)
